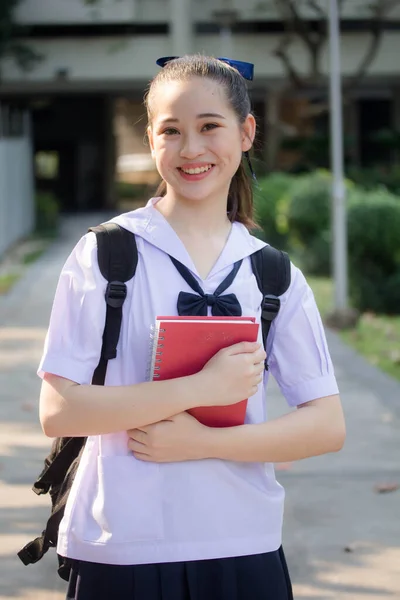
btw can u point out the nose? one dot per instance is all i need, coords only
(192, 146)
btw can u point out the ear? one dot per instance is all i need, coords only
(248, 132)
(150, 138)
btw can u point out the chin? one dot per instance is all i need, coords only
(198, 192)
(196, 195)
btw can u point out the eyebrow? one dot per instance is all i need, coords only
(201, 116)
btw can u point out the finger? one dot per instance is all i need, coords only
(131, 432)
(258, 377)
(243, 348)
(143, 457)
(260, 355)
(138, 436)
(137, 447)
(260, 368)
(143, 429)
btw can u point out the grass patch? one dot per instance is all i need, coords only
(21, 255)
(323, 292)
(376, 337)
(7, 281)
(31, 257)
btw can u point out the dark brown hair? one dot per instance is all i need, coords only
(240, 196)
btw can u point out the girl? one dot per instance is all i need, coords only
(163, 507)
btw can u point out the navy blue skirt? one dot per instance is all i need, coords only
(257, 577)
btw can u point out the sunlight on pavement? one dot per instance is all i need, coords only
(20, 346)
(37, 594)
(375, 569)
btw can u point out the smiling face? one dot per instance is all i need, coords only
(196, 138)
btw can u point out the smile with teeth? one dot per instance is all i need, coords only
(197, 170)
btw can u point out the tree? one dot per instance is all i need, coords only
(307, 21)
(10, 44)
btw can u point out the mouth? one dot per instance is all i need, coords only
(196, 172)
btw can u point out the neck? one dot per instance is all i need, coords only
(205, 217)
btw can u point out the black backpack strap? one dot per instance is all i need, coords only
(64, 451)
(117, 257)
(271, 268)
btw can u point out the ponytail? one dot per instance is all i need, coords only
(161, 190)
(240, 199)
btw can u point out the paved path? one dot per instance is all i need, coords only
(331, 503)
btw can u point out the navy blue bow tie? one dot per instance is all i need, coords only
(195, 305)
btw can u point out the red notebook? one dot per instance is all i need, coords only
(183, 345)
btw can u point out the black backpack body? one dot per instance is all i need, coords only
(117, 258)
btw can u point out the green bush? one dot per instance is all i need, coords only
(47, 213)
(373, 178)
(309, 207)
(308, 216)
(374, 252)
(309, 220)
(270, 197)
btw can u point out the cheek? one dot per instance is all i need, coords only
(164, 160)
(160, 153)
(230, 145)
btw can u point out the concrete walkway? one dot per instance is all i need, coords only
(342, 538)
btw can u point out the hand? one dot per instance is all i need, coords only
(234, 373)
(174, 440)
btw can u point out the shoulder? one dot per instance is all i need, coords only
(82, 262)
(135, 221)
(298, 281)
(298, 298)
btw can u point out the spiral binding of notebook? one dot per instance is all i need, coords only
(156, 346)
(158, 353)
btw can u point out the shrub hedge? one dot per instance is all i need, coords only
(374, 252)
(295, 214)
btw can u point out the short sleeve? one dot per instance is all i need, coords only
(299, 358)
(73, 342)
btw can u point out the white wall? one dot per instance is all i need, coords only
(132, 59)
(114, 11)
(45, 12)
(128, 58)
(16, 190)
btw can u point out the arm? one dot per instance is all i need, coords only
(70, 409)
(317, 427)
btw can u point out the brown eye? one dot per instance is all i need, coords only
(210, 126)
(170, 131)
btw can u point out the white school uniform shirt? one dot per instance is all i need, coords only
(124, 511)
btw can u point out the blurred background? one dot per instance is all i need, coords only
(72, 125)
(73, 152)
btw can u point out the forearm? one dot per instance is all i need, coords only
(309, 431)
(69, 409)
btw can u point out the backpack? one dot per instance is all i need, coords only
(117, 258)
